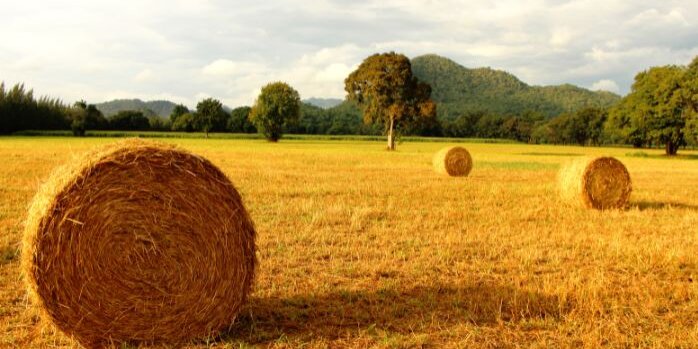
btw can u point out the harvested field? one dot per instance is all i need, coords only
(359, 247)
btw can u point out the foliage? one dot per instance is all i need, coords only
(19, 110)
(239, 121)
(689, 96)
(277, 106)
(388, 94)
(159, 123)
(458, 90)
(85, 117)
(184, 123)
(655, 111)
(210, 116)
(131, 120)
(177, 111)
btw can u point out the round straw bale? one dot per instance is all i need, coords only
(453, 161)
(137, 243)
(600, 183)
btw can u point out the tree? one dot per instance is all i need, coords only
(210, 116)
(179, 110)
(387, 93)
(278, 105)
(19, 110)
(86, 117)
(655, 110)
(184, 122)
(689, 96)
(130, 120)
(239, 121)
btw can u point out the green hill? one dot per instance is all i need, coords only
(324, 103)
(159, 108)
(457, 89)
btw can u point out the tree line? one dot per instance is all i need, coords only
(661, 110)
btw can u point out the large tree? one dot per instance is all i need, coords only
(278, 105)
(689, 96)
(210, 116)
(387, 93)
(655, 110)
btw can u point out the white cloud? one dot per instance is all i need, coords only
(605, 85)
(144, 75)
(226, 67)
(182, 48)
(561, 37)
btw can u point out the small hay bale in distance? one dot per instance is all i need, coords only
(139, 243)
(600, 183)
(453, 161)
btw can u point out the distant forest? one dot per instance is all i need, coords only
(483, 103)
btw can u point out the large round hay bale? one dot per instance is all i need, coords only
(453, 161)
(600, 183)
(139, 242)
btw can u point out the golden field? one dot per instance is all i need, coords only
(359, 247)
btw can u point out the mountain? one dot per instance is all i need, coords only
(160, 108)
(324, 103)
(458, 89)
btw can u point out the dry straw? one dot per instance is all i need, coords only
(600, 183)
(139, 242)
(453, 161)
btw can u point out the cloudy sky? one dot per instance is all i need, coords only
(184, 50)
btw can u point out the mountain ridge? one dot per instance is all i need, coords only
(162, 108)
(458, 89)
(324, 103)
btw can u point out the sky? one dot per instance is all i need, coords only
(187, 50)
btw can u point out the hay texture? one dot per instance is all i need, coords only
(453, 161)
(600, 183)
(139, 243)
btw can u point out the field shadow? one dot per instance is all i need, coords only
(550, 154)
(653, 205)
(345, 314)
(642, 154)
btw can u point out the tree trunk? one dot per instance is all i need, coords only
(206, 132)
(391, 136)
(671, 149)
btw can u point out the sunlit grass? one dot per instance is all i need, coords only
(359, 247)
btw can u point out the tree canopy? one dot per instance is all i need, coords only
(655, 111)
(387, 93)
(239, 121)
(129, 120)
(277, 106)
(210, 116)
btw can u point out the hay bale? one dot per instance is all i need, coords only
(453, 161)
(139, 242)
(600, 183)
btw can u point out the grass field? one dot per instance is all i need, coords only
(359, 247)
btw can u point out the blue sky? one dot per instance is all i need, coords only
(184, 50)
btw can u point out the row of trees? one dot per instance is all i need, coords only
(661, 109)
(383, 96)
(19, 110)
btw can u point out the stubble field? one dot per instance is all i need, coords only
(359, 247)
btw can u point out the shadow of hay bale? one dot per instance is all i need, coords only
(653, 205)
(345, 313)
